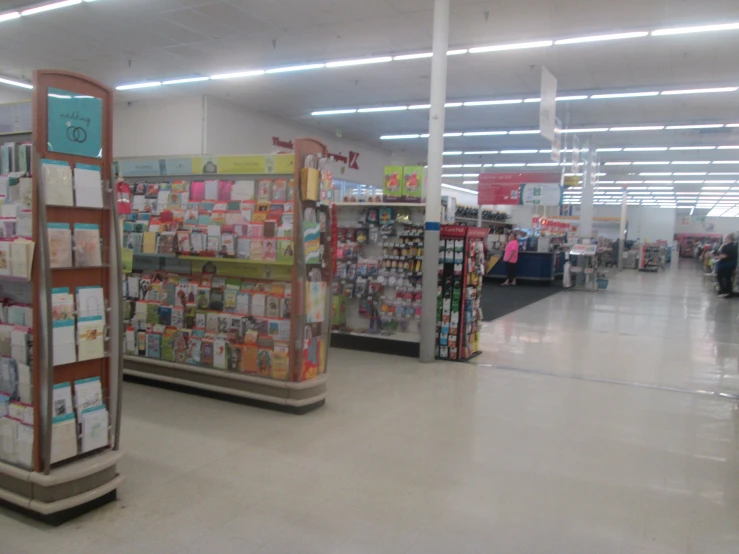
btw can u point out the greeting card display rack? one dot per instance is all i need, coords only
(230, 289)
(68, 462)
(459, 292)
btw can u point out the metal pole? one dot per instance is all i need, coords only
(433, 189)
(622, 229)
(586, 206)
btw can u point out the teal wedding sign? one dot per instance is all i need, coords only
(75, 124)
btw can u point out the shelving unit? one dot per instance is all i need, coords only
(461, 270)
(376, 298)
(221, 340)
(85, 476)
(653, 257)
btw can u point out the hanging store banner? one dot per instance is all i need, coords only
(533, 189)
(491, 194)
(548, 105)
(575, 153)
(556, 154)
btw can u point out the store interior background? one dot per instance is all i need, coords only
(164, 39)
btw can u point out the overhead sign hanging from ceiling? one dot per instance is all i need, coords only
(548, 105)
(528, 189)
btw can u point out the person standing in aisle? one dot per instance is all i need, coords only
(726, 266)
(511, 259)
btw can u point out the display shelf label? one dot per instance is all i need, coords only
(267, 272)
(74, 123)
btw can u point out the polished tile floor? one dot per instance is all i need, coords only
(594, 423)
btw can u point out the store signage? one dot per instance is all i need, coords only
(74, 124)
(275, 164)
(541, 194)
(287, 144)
(548, 105)
(575, 154)
(492, 193)
(556, 154)
(353, 160)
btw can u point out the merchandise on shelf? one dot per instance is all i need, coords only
(377, 283)
(216, 273)
(459, 292)
(404, 184)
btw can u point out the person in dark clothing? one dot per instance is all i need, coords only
(726, 266)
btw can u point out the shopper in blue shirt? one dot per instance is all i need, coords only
(726, 266)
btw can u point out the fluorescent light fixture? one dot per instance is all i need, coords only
(455, 153)
(457, 52)
(700, 91)
(655, 174)
(454, 104)
(726, 162)
(481, 152)
(543, 164)
(532, 101)
(296, 68)
(452, 134)
(618, 163)
(658, 183)
(253, 73)
(493, 102)
(361, 61)
(651, 163)
(186, 80)
(452, 166)
(15, 83)
(609, 149)
(715, 188)
(48, 7)
(510, 165)
(591, 130)
(139, 85)
(639, 188)
(459, 188)
(472, 165)
(334, 112)
(693, 162)
(519, 151)
(643, 128)
(413, 56)
(517, 46)
(646, 149)
(570, 98)
(483, 133)
(623, 95)
(452, 175)
(727, 174)
(524, 132)
(708, 126)
(399, 137)
(383, 109)
(470, 182)
(420, 107)
(10, 15)
(718, 182)
(728, 147)
(599, 38)
(629, 182)
(698, 29)
(687, 183)
(693, 147)
(690, 174)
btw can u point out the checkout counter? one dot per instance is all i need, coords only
(532, 266)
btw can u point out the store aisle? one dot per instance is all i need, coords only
(509, 457)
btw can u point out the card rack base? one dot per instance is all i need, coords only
(297, 398)
(381, 344)
(68, 491)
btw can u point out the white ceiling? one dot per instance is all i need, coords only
(128, 41)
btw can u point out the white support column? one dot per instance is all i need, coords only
(586, 204)
(433, 188)
(622, 229)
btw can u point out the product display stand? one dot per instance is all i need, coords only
(377, 285)
(459, 311)
(61, 404)
(652, 257)
(232, 269)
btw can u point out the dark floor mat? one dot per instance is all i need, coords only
(498, 301)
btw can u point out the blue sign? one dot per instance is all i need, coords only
(75, 124)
